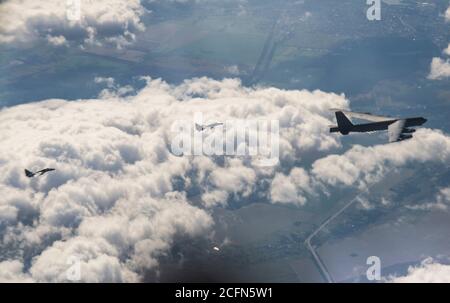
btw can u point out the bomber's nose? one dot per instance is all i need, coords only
(424, 120)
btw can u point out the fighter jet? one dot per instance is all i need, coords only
(398, 128)
(30, 174)
(201, 128)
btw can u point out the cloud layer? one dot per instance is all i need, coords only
(119, 197)
(440, 68)
(429, 271)
(114, 22)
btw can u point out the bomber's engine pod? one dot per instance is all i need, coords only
(409, 130)
(405, 137)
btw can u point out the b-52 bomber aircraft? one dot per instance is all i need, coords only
(30, 174)
(398, 128)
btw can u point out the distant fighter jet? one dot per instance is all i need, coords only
(398, 129)
(200, 128)
(30, 174)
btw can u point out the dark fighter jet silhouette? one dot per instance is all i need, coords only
(30, 174)
(398, 128)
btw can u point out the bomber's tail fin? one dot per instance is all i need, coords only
(344, 124)
(28, 173)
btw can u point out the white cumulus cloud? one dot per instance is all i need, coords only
(441, 203)
(440, 69)
(119, 197)
(95, 22)
(362, 165)
(429, 271)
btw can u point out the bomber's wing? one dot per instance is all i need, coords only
(45, 170)
(395, 131)
(364, 116)
(215, 124)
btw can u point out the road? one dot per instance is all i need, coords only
(323, 270)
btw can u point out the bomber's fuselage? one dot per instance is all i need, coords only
(374, 126)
